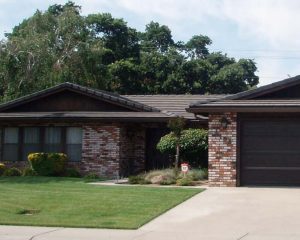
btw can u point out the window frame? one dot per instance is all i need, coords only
(42, 131)
(23, 144)
(3, 143)
(73, 144)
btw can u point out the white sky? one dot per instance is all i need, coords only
(264, 30)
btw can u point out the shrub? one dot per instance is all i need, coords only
(193, 146)
(2, 168)
(92, 177)
(163, 177)
(202, 174)
(48, 164)
(167, 180)
(185, 181)
(72, 172)
(28, 172)
(196, 174)
(138, 179)
(12, 172)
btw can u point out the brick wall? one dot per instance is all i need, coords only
(101, 150)
(222, 150)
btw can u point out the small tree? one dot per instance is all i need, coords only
(193, 146)
(177, 125)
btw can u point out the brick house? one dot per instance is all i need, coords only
(101, 132)
(254, 136)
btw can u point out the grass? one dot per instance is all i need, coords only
(70, 202)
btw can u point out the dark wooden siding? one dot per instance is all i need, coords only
(67, 101)
(285, 93)
(155, 159)
(270, 150)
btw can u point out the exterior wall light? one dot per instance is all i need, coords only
(224, 122)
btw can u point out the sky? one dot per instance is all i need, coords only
(264, 30)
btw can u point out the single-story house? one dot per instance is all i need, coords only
(101, 132)
(254, 136)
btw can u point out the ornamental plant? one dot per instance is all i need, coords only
(12, 172)
(2, 168)
(48, 164)
(177, 125)
(193, 146)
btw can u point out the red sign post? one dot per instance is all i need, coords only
(184, 168)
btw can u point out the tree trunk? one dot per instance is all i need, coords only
(177, 158)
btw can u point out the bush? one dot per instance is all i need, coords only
(168, 177)
(72, 172)
(28, 172)
(167, 180)
(162, 177)
(138, 179)
(196, 174)
(12, 172)
(193, 146)
(185, 181)
(91, 177)
(48, 164)
(2, 168)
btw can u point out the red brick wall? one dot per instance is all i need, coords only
(101, 150)
(113, 150)
(222, 150)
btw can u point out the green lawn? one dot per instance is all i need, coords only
(69, 202)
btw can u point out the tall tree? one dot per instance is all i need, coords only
(197, 46)
(156, 37)
(103, 52)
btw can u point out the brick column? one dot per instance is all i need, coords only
(101, 150)
(222, 150)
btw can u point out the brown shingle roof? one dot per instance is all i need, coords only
(173, 105)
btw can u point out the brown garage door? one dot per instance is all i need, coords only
(270, 151)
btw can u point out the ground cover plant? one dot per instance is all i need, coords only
(168, 177)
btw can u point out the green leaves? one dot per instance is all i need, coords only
(191, 140)
(197, 46)
(103, 52)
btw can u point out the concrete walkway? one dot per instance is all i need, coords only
(217, 213)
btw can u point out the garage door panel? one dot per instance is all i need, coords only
(270, 151)
(267, 143)
(272, 159)
(272, 128)
(276, 177)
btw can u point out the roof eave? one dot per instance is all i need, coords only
(217, 109)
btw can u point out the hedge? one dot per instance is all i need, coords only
(48, 164)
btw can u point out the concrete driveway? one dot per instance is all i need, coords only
(217, 213)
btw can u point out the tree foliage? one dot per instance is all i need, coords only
(193, 146)
(103, 52)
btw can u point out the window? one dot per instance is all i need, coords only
(74, 143)
(11, 144)
(17, 143)
(53, 139)
(31, 141)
